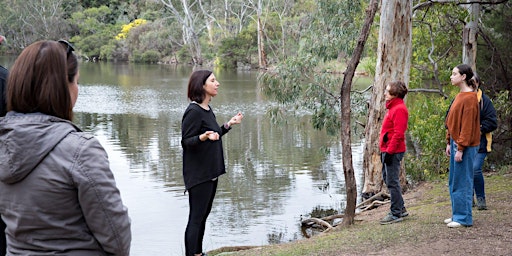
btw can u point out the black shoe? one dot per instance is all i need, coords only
(480, 203)
(404, 213)
(390, 218)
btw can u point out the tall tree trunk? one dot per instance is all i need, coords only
(186, 18)
(262, 56)
(393, 63)
(348, 167)
(469, 36)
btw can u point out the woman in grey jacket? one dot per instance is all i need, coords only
(59, 195)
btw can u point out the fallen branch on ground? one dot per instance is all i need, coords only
(318, 221)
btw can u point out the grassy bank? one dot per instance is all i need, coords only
(422, 233)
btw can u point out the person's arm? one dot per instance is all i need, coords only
(236, 119)
(400, 120)
(191, 133)
(100, 199)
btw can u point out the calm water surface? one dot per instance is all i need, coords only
(276, 173)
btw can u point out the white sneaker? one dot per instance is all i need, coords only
(447, 221)
(454, 224)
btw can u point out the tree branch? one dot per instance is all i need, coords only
(429, 91)
(456, 2)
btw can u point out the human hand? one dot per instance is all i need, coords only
(448, 150)
(209, 135)
(388, 158)
(458, 156)
(236, 119)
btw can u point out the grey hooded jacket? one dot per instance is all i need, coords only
(57, 193)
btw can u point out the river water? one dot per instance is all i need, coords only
(277, 174)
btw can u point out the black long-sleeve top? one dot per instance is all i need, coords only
(202, 160)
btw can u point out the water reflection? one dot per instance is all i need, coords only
(276, 174)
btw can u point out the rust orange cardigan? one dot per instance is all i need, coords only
(463, 121)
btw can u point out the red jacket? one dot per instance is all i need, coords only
(392, 133)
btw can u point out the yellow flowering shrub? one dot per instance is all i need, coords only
(125, 29)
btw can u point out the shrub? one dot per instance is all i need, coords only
(150, 56)
(426, 156)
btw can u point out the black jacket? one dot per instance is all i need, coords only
(488, 121)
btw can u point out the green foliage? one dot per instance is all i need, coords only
(369, 64)
(427, 158)
(24, 22)
(108, 52)
(136, 56)
(237, 49)
(334, 29)
(94, 31)
(184, 55)
(150, 56)
(436, 38)
(502, 145)
(298, 82)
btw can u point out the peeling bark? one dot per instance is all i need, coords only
(393, 63)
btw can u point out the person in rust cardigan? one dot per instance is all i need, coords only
(392, 147)
(462, 138)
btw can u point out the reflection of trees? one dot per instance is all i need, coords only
(262, 160)
(150, 145)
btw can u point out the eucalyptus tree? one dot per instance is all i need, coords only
(191, 19)
(298, 82)
(257, 5)
(24, 22)
(394, 54)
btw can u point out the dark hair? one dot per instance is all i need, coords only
(398, 89)
(195, 85)
(476, 79)
(465, 69)
(39, 80)
(72, 61)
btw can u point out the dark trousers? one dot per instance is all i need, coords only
(391, 176)
(200, 200)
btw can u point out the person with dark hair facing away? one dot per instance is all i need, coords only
(392, 147)
(203, 157)
(59, 196)
(3, 110)
(462, 141)
(488, 123)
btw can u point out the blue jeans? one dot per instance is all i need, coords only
(479, 177)
(461, 185)
(391, 176)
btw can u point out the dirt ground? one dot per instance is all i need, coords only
(491, 233)
(422, 233)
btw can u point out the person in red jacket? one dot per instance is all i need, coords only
(392, 148)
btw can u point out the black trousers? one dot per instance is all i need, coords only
(391, 177)
(200, 200)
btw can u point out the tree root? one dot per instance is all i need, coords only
(311, 221)
(375, 201)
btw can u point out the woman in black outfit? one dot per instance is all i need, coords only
(203, 157)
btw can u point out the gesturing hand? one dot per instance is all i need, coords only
(236, 119)
(209, 135)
